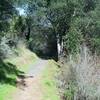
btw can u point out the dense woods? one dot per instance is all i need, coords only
(64, 30)
(44, 24)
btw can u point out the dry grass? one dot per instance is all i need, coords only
(84, 72)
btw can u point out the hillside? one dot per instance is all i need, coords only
(39, 82)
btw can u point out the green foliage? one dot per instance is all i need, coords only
(72, 41)
(76, 20)
(69, 92)
(8, 73)
(7, 10)
(95, 45)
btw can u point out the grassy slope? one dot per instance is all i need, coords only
(48, 82)
(22, 62)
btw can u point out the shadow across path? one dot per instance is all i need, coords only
(8, 73)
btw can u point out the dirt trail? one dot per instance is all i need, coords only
(31, 88)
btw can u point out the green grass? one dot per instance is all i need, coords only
(22, 62)
(6, 90)
(50, 92)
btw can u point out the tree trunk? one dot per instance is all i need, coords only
(28, 33)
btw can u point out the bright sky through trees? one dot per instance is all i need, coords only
(21, 11)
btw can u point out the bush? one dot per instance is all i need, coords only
(5, 49)
(72, 41)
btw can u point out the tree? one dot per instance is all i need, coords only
(7, 11)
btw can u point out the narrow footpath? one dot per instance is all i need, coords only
(29, 87)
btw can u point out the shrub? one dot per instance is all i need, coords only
(72, 41)
(5, 49)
